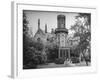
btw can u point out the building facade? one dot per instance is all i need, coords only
(59, 36)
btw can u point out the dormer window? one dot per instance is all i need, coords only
(38, 39)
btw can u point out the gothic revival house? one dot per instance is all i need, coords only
(43, 36)
(60, 36)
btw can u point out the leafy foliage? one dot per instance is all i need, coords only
(82, 29)
(59, 61)
(52, 52)
(32, 50)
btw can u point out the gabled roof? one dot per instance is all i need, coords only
(40, 32)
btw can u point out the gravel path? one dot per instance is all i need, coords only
(53, 65)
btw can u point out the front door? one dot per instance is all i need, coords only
(63, 53)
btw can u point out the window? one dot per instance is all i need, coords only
(38, 39)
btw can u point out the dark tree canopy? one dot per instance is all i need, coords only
(82, 29)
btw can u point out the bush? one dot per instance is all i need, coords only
(75, 60)
(30, 65)
(38, 60)
(59, 61)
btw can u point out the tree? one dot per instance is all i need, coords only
(52, 51)
(27, 40)
(82, 29)
(32, 50)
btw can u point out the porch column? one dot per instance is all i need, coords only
(65, 53)
(69, 53)
(59, 53)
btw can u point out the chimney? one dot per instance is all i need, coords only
(45, 28)
(38, 23)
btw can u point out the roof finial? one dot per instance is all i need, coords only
(38, 23)
(45, 28)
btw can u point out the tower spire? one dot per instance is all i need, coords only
(38, 23)
(45, 28)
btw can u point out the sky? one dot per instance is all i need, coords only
(49, 18)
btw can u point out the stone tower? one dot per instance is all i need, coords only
(61, 36)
